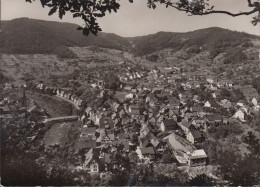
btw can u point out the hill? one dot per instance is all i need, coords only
(199, 40)
(25, 35)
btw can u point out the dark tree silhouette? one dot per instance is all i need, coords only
(202, 180)
(89, 10)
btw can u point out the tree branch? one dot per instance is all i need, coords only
(229, 13)
(256, 9)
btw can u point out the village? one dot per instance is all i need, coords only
(146, 112)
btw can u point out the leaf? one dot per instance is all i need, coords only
(52, 11)
(131, 1)
(79, 28)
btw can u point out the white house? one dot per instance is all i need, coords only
(207, 104)
(239, 115)
(91, 164)
(197, 158)
(254, 101)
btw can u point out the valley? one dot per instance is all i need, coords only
(173, 106)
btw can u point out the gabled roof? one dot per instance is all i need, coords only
(170, 124)
(123, 136)
(198, 154)
(147, 151)
(197, 109)
(106, 121)
(88, 130)
(214, 117)
(85, 144)
(186, 123)
(144, 141)
(88, 157)
(153, 140)
(196, 134)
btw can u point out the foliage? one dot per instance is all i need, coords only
(152, 58)
(222, 131)
(235, 55)
(193, 49)
(256, 83)
(167, 158)
(240, 171)
(233, 95)
(63, 52)
(202, 180)
(111, 81)
(253, 142)
(160, 175)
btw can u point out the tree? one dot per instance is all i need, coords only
(90, 10)
(238, 170)
(111, 81)
(202, 180)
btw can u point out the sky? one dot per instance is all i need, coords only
(136, 19)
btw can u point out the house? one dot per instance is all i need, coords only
(173, 103)
(215, 118)
(249, 92)
(106, 122)
(226, 103)
(190, 115)
(207, 104)
(152, 120)
(239, 115)
(91, 164)
(185, 125)
(134, 109)
(197, 110)
(254, 101)
(144, 142)
(128, 88)
(105, 136)
(194, 136)
(85, 144)
(199, 122)
(154, 141)
(145, 153)
(151, 99)
(129, 96)
(197, 158)
(175, 143)
(88, 132)
(168, 125)
(210, 81)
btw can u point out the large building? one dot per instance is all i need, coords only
(197, 158)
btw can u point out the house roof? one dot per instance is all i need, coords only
(123, 136)
(154, 140)
(85, 144)
(196, 134)
(170, 124)
(106, 121)
(197, 109)
(200, 153)
(214, 117)
(88, 157)
(147, 151)
(186, 123)
(88, 130)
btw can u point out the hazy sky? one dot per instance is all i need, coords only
(135, 19)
